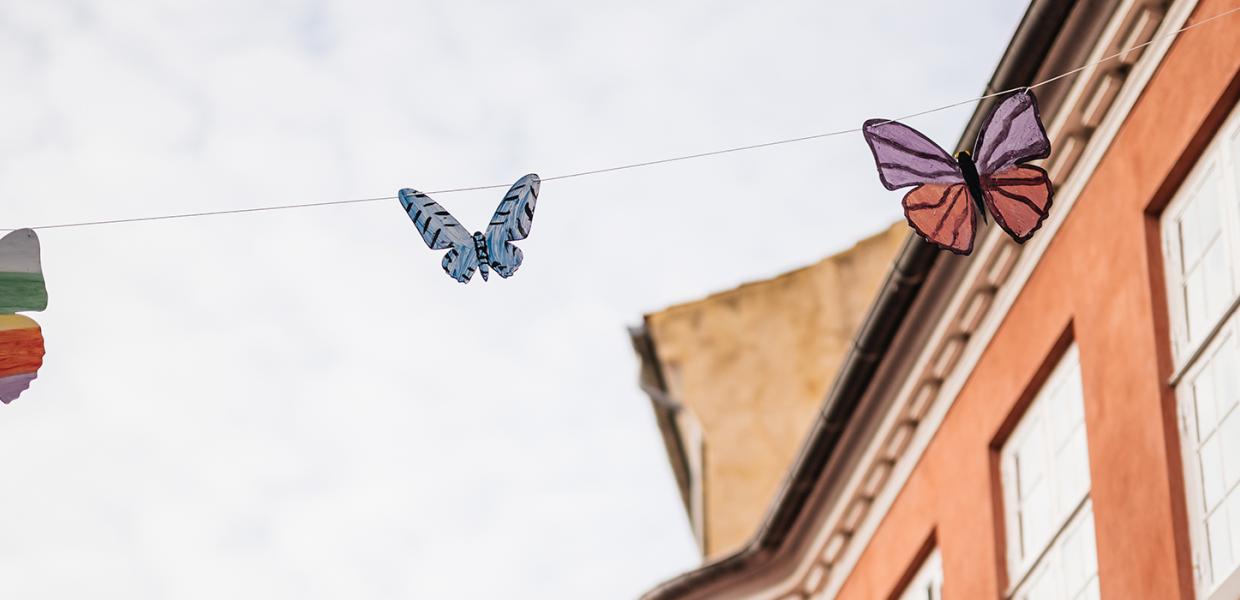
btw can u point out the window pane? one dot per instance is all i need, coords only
(1229, 436)
(1218, 292)
(1075, 575)
(1074, 473)
(1195, 304)
(1199, 225)
(1235, 151)
(1219, 531)
(1212, 472)
(1030, 461)
(1091, 591)
(1226, 375)
(1044, 585)
(1203, 396)
(1079, 557)
(1233, 533)
(1037, 519)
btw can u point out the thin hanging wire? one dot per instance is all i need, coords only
(650, 163)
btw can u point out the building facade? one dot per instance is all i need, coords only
(1056, 419)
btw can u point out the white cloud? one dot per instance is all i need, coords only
(300, 404)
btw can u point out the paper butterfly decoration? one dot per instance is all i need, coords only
(21, 289)
(494, 249)
(952, 192)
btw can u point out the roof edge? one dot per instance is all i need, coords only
(666, 408)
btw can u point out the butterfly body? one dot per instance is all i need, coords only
(483, 251)
(950, 192)
(484, 258)
(968, 171)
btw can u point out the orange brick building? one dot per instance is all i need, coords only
(1059, 419)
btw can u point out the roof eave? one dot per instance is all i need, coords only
(665, 409)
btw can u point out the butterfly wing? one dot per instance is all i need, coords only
(1013, 133)
(906, 157)
(21, 355)
(441, 230)
(939, 208)
(943, 214)
(21, 276)
(511, 222)
(1018, 195)
(459, 263)
(21, 289)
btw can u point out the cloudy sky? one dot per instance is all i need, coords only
(301, 404)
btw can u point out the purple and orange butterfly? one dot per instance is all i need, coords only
(951, 192)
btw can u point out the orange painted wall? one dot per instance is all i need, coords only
(1098, 284)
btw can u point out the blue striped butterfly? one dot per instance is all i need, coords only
(492, 250)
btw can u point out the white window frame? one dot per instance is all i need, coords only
(1226, 161)
(1229, 587)
(927, 583)
(1023, 568)
(1191, 356)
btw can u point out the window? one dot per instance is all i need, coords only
(927, 583)
(1045, 476)
(1201, 245)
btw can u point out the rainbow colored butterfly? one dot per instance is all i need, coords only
(952, 192)
(21, 289)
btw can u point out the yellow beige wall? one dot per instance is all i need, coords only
(753, 365)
